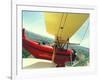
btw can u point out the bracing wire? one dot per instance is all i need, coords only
(86, 30)
(58, 43)
(60, 31)
(63, 25)
(60, 23)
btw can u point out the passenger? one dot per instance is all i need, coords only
(43, 43)
(39, 43)
(74, 54)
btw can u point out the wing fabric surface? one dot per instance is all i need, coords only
(64, 25)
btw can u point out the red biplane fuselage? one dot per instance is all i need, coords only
(46, 51)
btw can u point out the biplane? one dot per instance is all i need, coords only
(62, 26)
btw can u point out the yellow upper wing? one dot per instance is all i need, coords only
(64, 25)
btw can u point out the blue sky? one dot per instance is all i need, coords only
(82, 35)
(34, 22)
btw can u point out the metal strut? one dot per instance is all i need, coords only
(60, 43)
